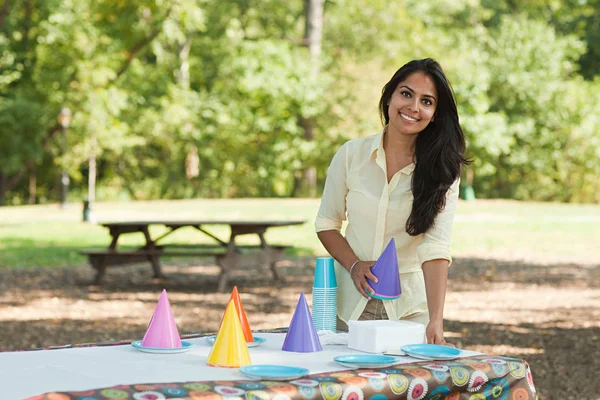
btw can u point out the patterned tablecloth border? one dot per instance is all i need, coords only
(478, 377)
(473, 378)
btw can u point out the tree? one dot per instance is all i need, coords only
(313, 34)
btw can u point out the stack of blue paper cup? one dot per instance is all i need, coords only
(324, 301)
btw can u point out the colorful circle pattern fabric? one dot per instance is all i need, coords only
(307, 392)
(530, 380)
(418, 389)
(520, 394)
(497, 389)
(257, 395)
(440, 376)
(517, 369)
(482, 377)
(477, 396)
(477, 380)
(398, 383)
(460, 375)
(439, 393)
(149, 395)
(353, 393)
(331, 391)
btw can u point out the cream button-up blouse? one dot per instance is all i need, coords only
(356, 188)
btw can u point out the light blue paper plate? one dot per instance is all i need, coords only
(257, 341)
(273, 372)
(185, 346)
(366, 360)
(431, 351)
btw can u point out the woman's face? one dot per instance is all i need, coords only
(412, 104)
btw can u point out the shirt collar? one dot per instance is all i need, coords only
(378, 141)
(408, 169)
(378, 144)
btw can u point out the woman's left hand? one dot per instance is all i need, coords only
(435, 333)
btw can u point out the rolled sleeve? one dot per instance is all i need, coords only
(332, 211)
(435, 243)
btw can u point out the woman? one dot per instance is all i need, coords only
(401, 183)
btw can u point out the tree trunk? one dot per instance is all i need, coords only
(92, 178)
(313, 34)
(184, 69)
(2, 189)
(3, 14)
(8, 183)
(313, 31)
(32, 185)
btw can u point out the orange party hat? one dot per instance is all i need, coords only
(235, 297)
(230, 349)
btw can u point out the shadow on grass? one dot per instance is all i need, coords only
(560, 359)
(478, 270)
(51, 332)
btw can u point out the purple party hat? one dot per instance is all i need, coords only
(302, 336)
(388, 276)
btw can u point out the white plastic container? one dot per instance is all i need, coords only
(384, 336)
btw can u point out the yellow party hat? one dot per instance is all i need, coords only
(230, 349)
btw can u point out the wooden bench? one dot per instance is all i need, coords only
(100, 259)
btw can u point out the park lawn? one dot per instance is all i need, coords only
(42, 236)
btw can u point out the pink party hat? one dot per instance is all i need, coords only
(388, 276)
(302, 336)
(162, 331)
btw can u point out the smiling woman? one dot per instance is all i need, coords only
(400, 184)
(412, 105)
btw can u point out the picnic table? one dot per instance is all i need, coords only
(226, 251)
(117, 371)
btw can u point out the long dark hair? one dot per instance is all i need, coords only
(439, 149)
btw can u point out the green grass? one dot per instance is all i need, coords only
(35, 236)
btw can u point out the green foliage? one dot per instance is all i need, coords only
(159, 85)
(26, 118)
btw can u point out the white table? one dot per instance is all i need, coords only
(30, 373)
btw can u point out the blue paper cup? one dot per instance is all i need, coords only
(324, 302)
(324, 273)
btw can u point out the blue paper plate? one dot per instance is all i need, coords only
(431, 351)
(257, 341)
(185, 346)
(273, 372)
(366, 360)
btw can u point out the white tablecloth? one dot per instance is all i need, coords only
(25, 374)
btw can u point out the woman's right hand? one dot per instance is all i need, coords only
(359, 274)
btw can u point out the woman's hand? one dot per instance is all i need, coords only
(435, 333)
(359, 274)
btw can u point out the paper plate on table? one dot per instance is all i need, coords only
(273, 372)
(431, 351)
(185, 346)
(366, 360)
(257, 341)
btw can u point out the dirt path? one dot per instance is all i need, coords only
(548, 315)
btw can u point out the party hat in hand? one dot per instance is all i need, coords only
(162, 331)
(235, 297)
(388, 276)
(230, 349)
(302, 336)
